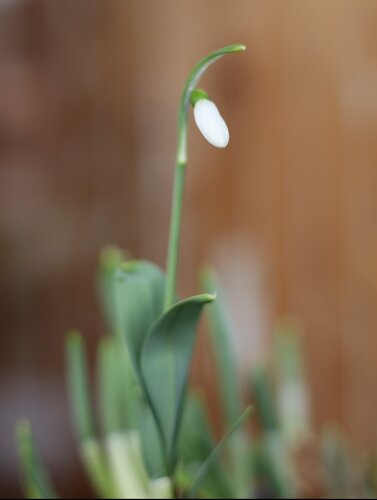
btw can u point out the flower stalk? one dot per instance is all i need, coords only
(180, 170)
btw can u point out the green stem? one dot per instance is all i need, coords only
(180, 170)
(176, 211)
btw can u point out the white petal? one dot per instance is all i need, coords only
(210, 123)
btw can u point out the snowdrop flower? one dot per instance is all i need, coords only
(208, 119)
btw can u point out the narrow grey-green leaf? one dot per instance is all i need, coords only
(165, 360)
(113, 384)
(265, 400)
(129, 475)
(122, 405)
(36, 482)
(78, 386)
(292, 392)
(222, 339)
(97, 468)
(196, 443)
(139, 293)
(206, 466)
(90, 448)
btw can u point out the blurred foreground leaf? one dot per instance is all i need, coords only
(195, 445)
(110, 259)
(211, 459)
(222, 339)
(35, 479)
(91, 450)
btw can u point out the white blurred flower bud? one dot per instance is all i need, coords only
(210, 123)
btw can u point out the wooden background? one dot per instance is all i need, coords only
(89, 91)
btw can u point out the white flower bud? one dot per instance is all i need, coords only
(211, 123)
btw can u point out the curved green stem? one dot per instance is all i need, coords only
(179, 182)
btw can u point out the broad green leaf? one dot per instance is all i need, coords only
(165, 360)
(36, 482)
(152, 446)
(110, 259)
(139, 292)
(222, 339)
(212, 458)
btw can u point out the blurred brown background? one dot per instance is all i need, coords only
(89, 91)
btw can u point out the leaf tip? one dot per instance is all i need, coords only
(209, 297)
(73, 338)
(249, 411)
(111, 256)
(237, 47)
(22, 429)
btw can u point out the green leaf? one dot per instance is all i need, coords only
(206, 466)
(161, 488)
(95, 463)
(152, 446)
(90, 448)
(288, 348)
(222, 339)
(230, 395)
(110, 259)
(139, 293)
(122, 404)
(338, 464)
(165, 360)
(292, 392)
(274, 458)
(35, 479)
(268, 481)
(127, 466)
(78, 386)
(196, 443)
(264, 397)
(115, 385)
